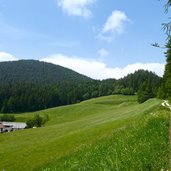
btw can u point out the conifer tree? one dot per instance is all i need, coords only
(165, 90)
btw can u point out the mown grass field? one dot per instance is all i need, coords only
(113, 132)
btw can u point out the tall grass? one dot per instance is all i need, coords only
(79, 137)
(142, 146)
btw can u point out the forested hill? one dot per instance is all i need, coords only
(36, 72)
(29, 85)
(136, 79)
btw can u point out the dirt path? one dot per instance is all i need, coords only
(166, 104)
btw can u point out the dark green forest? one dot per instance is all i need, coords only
(29, 85)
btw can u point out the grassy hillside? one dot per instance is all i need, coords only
(143, 145)
(70, 130)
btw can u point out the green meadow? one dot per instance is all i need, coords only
(106, 133)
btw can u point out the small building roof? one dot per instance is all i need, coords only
(15, 125)
(19, 125)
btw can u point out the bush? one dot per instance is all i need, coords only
(127, 91)
(37, 121)
(30, 123)
(8, 118)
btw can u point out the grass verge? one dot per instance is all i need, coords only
(142, 146)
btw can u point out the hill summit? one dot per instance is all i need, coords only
(37, 72)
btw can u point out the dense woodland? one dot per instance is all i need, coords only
(29, 85)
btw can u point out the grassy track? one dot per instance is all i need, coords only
(70, 129)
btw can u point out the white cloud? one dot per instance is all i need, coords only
(76, 7)
(6, 57)
(103, 53)
(115, 22)
(99, 70)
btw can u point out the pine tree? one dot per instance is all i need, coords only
(145, 92)
(165, 90)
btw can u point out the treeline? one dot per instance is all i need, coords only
(32, 96)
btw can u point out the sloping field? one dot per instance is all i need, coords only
(70, 129)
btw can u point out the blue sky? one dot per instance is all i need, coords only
(98, 38)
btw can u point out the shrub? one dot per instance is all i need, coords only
(8, 118)
(30, 123)
(37, 121)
